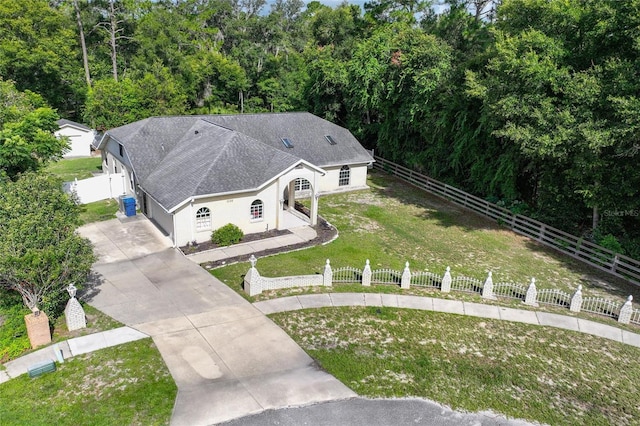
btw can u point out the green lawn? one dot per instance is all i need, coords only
(14, 341)
(537, 373)
(69, 169)
(127, 384)
(394, 222)
(99, 211)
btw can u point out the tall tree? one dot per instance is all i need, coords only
(553, 92)
(40, 251)
(83, 42)
(38, 51)
(394, 76)
(26, 132)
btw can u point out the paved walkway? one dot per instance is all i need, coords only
(226, 357)
(70, 348)
(298, 235)
(293, 303)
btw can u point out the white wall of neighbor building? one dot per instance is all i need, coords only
(79, 141)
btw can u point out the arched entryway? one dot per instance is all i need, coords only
(298, 189)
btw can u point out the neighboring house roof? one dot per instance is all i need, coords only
(64, 122)
(176, 158)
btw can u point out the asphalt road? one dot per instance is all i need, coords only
(375, 412)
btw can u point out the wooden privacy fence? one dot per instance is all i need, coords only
(529, 294)
(576, 247)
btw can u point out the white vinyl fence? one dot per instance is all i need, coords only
(576, 247)
(97, 188)
(529, 294)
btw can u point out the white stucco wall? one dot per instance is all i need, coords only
(358, 178)
(79, 141)
(236, 209)
(162, 219)
(112, 162)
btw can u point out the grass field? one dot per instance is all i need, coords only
(69, 169)
(123, 385)
(394, 222)
(542, 374)
(99, 211)
(537, 373)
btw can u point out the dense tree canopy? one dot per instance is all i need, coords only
(26, 132)
(40, 251)
(531, 103)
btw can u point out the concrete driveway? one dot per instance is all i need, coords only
(227, 358)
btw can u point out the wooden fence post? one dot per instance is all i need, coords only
(405, 281)
(614, 264)
(366, 275)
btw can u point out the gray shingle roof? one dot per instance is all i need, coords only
(176, 158)
(65, 122)
(307, 133)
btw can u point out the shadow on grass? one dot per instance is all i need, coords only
(590, 277)
(447, 214)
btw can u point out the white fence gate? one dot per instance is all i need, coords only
(97, 188)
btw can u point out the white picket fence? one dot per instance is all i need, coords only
(529, 294)
(97, 188)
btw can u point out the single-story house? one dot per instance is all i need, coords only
(80, 138)
(193, 174)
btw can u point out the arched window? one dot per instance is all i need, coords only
(302, 184)
(345, 176)
(256, 209)
(203, 219)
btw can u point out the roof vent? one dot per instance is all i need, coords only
(287, 142)
(330, 140)
(196, 132)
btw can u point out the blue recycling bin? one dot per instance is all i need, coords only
(129, 206)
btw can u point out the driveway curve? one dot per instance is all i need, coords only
(230, 362)
(226, 357)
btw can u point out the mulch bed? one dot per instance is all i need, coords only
(325, 232)
(209, 245)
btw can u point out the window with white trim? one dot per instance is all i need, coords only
(256, 209)
(345, 176)
(203, 219)
(302, 184)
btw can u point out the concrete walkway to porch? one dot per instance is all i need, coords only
(300, 230)
(300, 234)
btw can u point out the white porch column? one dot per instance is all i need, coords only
(313, 214)
(292, 195)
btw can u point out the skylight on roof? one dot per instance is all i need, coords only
(287, 142)
(330, 139)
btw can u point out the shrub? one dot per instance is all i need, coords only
(13, 332)
(610, 242)
(227, 235)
